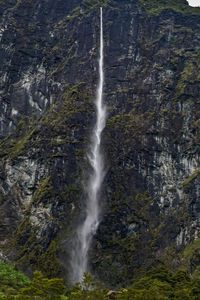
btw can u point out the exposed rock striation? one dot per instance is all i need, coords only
(150, 199)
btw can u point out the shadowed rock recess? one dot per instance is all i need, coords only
(151, 192)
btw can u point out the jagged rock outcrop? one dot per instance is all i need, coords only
(150, 196)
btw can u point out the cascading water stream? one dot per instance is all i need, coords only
(89, 227)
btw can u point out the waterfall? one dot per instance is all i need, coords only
(89, 227)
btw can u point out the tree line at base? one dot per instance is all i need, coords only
(157, 284)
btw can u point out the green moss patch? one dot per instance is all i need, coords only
(191, 258)
(190, 179)
(157, 6)
(44, 190)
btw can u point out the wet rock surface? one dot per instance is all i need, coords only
(150, 195)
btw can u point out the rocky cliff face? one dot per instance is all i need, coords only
(150, 197)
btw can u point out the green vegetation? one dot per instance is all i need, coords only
(54, 136)
(189, 75)
(42, 288)
(96, 3)
(15, 144)
(84, 10)
(190, 179)
(30, 252)
(11, 280)
(54, 128)
(49, 260)
(44, 190)
(157, 6)
(39, 288)
(87, 289)
(191, 258)
(157, 284)
(161, 284)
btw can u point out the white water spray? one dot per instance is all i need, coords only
(89, 227)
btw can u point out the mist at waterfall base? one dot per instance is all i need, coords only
(86, 231)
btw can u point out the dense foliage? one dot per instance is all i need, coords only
(158, 283)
